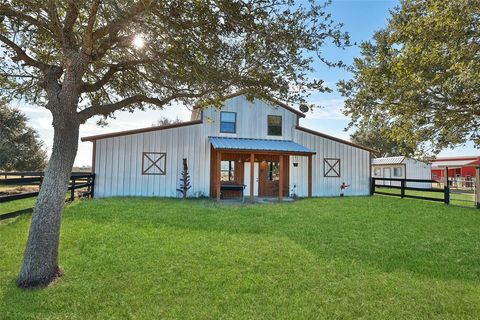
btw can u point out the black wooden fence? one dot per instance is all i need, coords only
(78, 180)
(402, 184)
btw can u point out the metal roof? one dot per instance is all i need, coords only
(287, 146)
(388, 160)
(452, 163)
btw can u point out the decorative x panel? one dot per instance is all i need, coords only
(153, 163)
(331, 167)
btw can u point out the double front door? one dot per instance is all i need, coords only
(266, 178)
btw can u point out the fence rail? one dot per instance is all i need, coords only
(78, 180)
(447, 191)
(404, 187)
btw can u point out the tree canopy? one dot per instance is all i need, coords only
(420, 76)
(374, 136)
(82, 58)
(123, 54)
(20, 146)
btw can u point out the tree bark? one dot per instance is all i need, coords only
(40, 264)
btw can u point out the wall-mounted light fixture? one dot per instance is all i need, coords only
(295, 161)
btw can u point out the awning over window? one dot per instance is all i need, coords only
(243, 144)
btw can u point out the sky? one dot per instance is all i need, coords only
(361, 18)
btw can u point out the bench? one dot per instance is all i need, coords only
(232, 187)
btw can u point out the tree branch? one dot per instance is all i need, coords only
(122, 20)
(19, 17)
(88, 36)
(22, 55)
(53, 16)
(69, 21)
(107, 109)
(121, 66)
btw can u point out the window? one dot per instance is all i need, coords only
(273, 171)
(228, 122)
(331, 168)
(274, 126)
(377, 172)
(153, 163)
(227, 171)
(397, 172)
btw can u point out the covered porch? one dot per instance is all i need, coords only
(254, 167)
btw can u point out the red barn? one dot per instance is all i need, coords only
(461, 168)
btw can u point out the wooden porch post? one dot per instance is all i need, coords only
(280, 182)
(218, 175)
(310, 172)
(252, 176)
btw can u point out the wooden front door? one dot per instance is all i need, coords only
(269, 177)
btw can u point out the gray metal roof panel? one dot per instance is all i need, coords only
(388, 160)
(257, 145)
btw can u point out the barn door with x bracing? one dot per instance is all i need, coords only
(153, 163)
(331, 168)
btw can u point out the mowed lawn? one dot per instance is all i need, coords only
(344, 258)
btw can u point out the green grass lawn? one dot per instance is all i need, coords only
(345, 258)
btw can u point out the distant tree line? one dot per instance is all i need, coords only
(20, 146)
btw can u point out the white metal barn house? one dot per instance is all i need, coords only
(258, 145)
(401, 168)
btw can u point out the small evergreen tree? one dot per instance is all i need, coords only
(184, 180)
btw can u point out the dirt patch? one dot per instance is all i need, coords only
(18, 190)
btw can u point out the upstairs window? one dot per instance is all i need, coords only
(274, 125)
(228, 122)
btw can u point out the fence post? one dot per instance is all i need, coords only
(402, 189)
(477, 188)
(72, 191)
(446, 191)
(372, 187)
(92, 190)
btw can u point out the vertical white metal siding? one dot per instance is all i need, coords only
(251, 119)
(354, 171)
(418, 170)
(118, 163)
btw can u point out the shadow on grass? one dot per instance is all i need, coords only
(390, 234)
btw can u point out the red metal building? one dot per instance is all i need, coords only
(458, 167)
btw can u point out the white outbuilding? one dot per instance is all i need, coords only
(401, 168)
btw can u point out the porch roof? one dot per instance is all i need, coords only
(245, 144)
(453, 163)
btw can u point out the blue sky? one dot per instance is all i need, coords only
(361, 18)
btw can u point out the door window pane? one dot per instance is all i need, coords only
(227, 170)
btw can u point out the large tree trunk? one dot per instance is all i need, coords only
(40, 265)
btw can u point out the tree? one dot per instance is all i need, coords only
(83, 58)
(420, 76)
(374, 136)
(20, 147)
(163, 121)
(184, 180)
